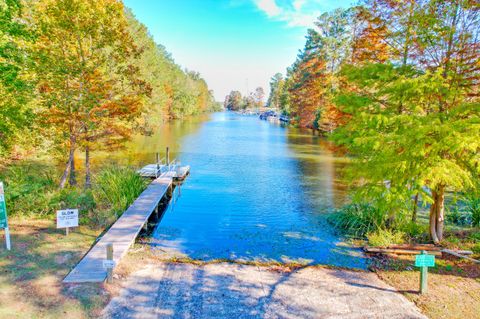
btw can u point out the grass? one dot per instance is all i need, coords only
(453, 285)
(31, 273)
(41, 255)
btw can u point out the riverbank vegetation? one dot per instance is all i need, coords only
(80, 76)
(395, 85)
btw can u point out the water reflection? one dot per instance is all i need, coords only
(256, 191)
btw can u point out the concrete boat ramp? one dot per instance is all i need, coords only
(125, 230)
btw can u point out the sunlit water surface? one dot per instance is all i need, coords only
(257, 191)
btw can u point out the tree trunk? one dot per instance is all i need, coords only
(88, 181)
(415, 207)
(63, 180)
(440, 212)
(70, 167)
(437, 211)
(72, 180)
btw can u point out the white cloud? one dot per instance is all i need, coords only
(298, 4)
(296, 13)
(269, 7)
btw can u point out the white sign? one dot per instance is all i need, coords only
(67, 218)
(108, 264)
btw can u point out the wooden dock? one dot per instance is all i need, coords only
(122, 234)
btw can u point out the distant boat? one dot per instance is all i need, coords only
(284, 118)
(267, 114)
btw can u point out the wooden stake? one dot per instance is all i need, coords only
(109, 257)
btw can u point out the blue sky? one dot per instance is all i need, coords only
(234, 44)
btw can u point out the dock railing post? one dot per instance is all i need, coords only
(109, 257)
(158, 163)
(168, 156)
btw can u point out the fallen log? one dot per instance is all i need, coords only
(456, 254)
(427, 247)
(399, 251)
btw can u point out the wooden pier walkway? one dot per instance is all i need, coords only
(122, 234)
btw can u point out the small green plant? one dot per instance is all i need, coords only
(385, 237)
(472, 203)
(358, 219)
(414, 231)
(458, 218)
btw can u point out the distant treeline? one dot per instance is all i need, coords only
(396, 84)
(234, 101)
(83, 75)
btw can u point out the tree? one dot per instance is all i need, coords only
(430, 143)
(258, 97)
(277, 84)
(312, 79)
(233, 101)
(90, 91)
(15, 89)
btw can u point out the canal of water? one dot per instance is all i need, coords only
(257, 191)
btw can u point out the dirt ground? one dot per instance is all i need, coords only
(453, 286)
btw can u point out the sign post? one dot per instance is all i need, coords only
(3, 216)
(67, 218)
(424, 260)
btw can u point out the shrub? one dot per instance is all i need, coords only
(116, 188)
(414, 231)
(74, 198)
(30, 187)
(385, 237)
(472, 204)
(458, 218)
(358, 219)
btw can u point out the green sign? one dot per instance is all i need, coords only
(425, 260)
(3, 208)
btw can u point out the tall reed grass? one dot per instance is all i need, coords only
(117, 188)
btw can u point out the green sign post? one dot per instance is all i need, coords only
(3, 216)
(424, 260)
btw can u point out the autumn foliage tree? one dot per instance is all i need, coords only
(414, 118)
(89, 90)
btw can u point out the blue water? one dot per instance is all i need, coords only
(257, 191)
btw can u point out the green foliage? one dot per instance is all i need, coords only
(385, 237)
(413, 231)
(116, 188)
(15, 88)
(30, 189)
(357, 220)
(472, 202)
(459, 218)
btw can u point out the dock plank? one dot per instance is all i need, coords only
(122, 234)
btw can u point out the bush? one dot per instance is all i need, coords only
(30, 187)
(472, 203)
(414, 231)
(458, 218)
(74, 198)
(358, 219)
(385, 237)
(115, 189)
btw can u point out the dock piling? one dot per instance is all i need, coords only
(109, 257)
